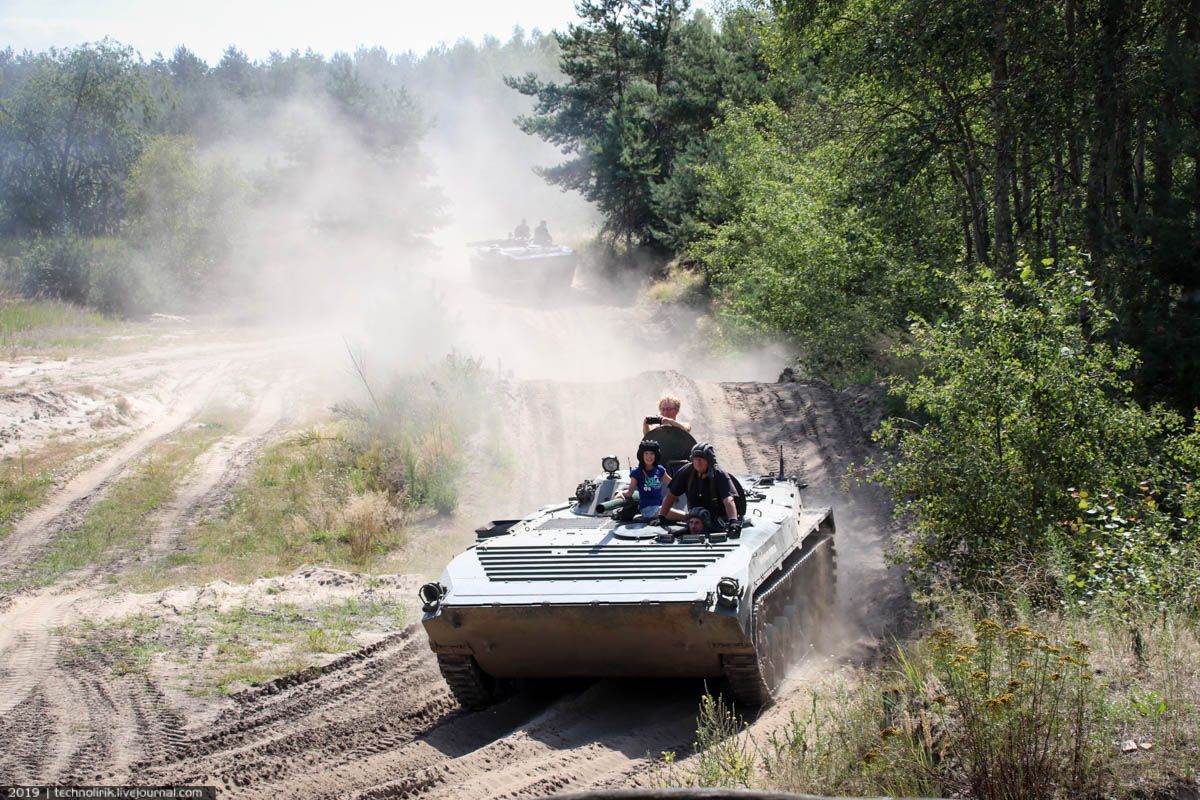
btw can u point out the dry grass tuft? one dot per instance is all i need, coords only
(367, 517)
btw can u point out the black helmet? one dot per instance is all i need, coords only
(704, 450)
(653, 447)
(701, 513)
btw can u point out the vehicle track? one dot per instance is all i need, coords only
(291, 731)
(218, 469)
(34, 530)
(70, 718)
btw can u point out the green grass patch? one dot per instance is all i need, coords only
(20, 491)
(34, 325)
(27, 479)
(21, 316)
(241, 647)
(212, 652)
(339, 494)
(305, 501)
(123, 647)
(120, 521)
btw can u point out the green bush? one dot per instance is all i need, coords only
(119, 280)
(103, 273)
(55, 268)
(1020, 400)
(1139, 552)
(410, 440)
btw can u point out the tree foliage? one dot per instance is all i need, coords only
(794, 254)
(1024, 408)
(179, 212)
(644, 81)
(1052, 123)
(68, 134)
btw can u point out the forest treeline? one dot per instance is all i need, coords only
(168, 184)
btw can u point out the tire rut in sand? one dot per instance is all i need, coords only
(302, 726)
(578, 741)
(101, 722)
(381, 723)
(218, 469)
(33, 531)
(79, 723)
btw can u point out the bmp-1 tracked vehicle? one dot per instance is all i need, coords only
(586, 588)
(517, 265)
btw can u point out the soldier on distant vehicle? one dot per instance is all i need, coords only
(541, 235)
(521, 231)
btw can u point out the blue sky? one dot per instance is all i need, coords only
(260, 26)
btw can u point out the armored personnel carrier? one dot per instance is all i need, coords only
(518, 265)
(586, 588)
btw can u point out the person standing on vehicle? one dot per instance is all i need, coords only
(521, 232)
(706, 486)
(648, 478)
(668, 413)
(541, 235)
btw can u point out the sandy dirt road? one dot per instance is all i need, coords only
(380, 722)
(407, 738)
(70, 718)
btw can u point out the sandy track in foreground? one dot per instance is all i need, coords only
(72, 718)
(382, 724)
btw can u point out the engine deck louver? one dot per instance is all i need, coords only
(583, 563)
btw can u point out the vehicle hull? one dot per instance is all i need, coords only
(578, 591)
(651, 639)
(524, 267)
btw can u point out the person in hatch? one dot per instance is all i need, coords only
(706, 486)
(668, 412)
(648, 478)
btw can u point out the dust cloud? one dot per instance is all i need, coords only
(351, 237)
(338, 233)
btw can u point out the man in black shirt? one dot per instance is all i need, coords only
(706, 486)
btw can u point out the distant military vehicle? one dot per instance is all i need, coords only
(517, 265)
(586, 588)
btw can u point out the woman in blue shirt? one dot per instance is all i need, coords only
(648, 478)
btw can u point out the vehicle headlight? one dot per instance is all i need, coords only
(728, 591)
(610, 464)
(431, 595)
